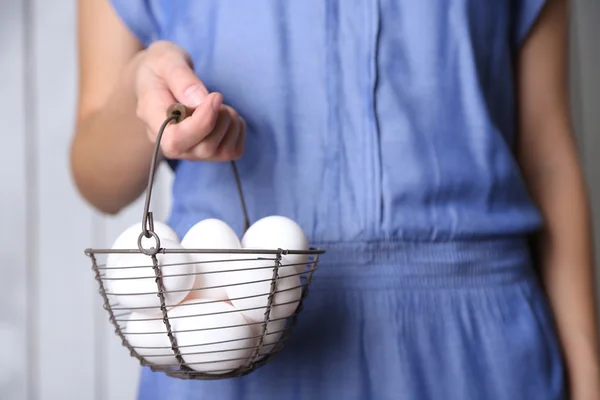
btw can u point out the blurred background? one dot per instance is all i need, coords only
(55, 338)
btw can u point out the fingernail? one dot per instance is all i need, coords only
(217, 101)
(194, 95)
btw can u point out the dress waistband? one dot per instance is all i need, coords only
(424, 263)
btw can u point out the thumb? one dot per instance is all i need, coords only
(181, 80)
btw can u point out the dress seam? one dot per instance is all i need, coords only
(376, 203)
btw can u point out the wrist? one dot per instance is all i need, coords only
(129, 76)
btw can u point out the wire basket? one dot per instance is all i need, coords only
(172, 326)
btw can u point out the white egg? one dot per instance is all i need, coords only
(274, 332)
(137, 287)
(214, 344)
(276, 232)
(128, 239)
(250, 293)
(147, 334)
(211, 234)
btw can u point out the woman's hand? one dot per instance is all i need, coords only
(214, 132)
(118, 79)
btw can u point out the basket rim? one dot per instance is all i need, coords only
(310, 251)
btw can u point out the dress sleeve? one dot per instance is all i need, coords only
(137, 16)
(526, 13)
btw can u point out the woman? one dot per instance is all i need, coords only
(420, 143)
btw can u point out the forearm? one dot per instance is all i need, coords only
(565, 249)
(547, 153)
(111, 153)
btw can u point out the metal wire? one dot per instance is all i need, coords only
(193, 360)
(238, 184)
(147, 221)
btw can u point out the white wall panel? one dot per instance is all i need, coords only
(14, 283)
(65, 301)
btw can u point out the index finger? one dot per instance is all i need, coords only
(194, 129)
(179, 138)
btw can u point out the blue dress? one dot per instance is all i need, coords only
(385, 129)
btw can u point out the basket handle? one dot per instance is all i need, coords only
(176, 113)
